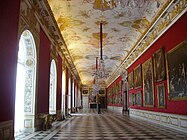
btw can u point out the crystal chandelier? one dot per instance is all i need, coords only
(101, 72)
(96, 86)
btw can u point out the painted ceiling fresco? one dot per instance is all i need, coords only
(79, 23)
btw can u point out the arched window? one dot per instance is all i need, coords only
(25, 83)
(53, 87)
(69, 94)
(63, 91)
(73, 95)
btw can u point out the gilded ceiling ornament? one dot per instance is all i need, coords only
(103, 21)
(125, 23)
(97, 35)
(140, 25)
(120, 15)
(99, 5)
(115, 58)
(85, 29)
(115, 30)
(125, 38)
(85, 13)
(95, 42)
(77, 57)
(65, 22)
(75, 38)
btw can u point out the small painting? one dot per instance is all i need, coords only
(120, 86)
(130, 80)
(159, 65)
(138, 98)
(177, 72)
(161, 95)
(148, 93)
(131, 99)
(138, 77)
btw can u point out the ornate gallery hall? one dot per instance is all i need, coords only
(93, 69)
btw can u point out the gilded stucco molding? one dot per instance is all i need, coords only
(165, 20)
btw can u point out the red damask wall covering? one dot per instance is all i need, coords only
(43, 74)
(170, 39)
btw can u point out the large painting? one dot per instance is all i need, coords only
(159, 65)
(138, 77)
(130, 80)
(148, 83)
(138, 98)
(161, 95)
(177, 72)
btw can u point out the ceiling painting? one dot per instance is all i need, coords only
(79, 24)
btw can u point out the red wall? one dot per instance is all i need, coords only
(43, 74)
(117, 81)
(174, 36)
(59, 84)
(9, 20)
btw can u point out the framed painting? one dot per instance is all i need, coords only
(130, 80)
(131, 99)
(159, 65)
(120, 86)
(177, 72)
(138, 98)
(148, 94)
(161, 95)
(138, 77)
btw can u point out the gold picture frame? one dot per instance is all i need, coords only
(161, 95)
(131, 99)
(176, 64)
(138, 77)
(159, 65)
(148, 88)
(138, 98)
(130, 80)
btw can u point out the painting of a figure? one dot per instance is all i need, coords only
(148, 83)
(177, 72)
(161, 95)
(138, 77)
(131, 99)
(138, 98)
(159, 65)
(130, 80)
